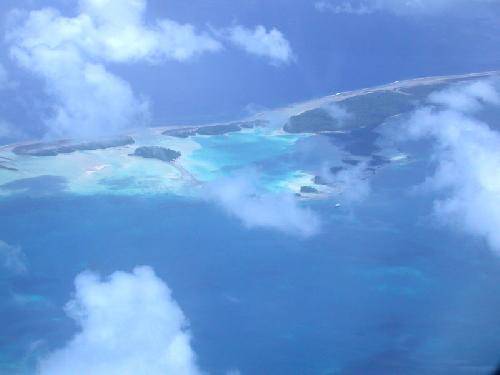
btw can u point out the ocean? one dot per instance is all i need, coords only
(383, 288)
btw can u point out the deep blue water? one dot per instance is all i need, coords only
(383, 289)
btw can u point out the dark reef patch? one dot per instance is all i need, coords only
(69, 146)
(315, 120)
(157, 152)
(218, 129)
(308, 190)
(364, 111)
(4, 167)
(41, 185)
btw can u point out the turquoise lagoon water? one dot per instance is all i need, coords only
(383, 288)
(219, 155)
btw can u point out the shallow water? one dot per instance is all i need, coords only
(220, 154)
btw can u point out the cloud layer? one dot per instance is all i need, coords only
(467, 157)
(129, 325)
(240, 197)
(361, 7)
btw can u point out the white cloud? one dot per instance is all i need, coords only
(467, 154)
(240, 197)
(12, 258)
(118, 32)
(269, 44)
(467, 98)
(344, 7)
(70, 53)
(338, 113)
(361, 7)
(129, 325)
(354, 183)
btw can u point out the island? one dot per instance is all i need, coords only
(367, 110)
(4, 167)
(70, 146)
(308, 190)
(216, 129)
(157, 152)
(315, 120)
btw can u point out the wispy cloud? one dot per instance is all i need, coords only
(241, 197)
(343, 7)
(400, 7)
(354, 181)
(466, 99)
(71, 53)
(467, 156)
(129, 324)
(258, 41)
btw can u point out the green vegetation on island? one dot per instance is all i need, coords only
(69, 146)
(364, 111)
(218, 129)
(157, 152)
(308, 190)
